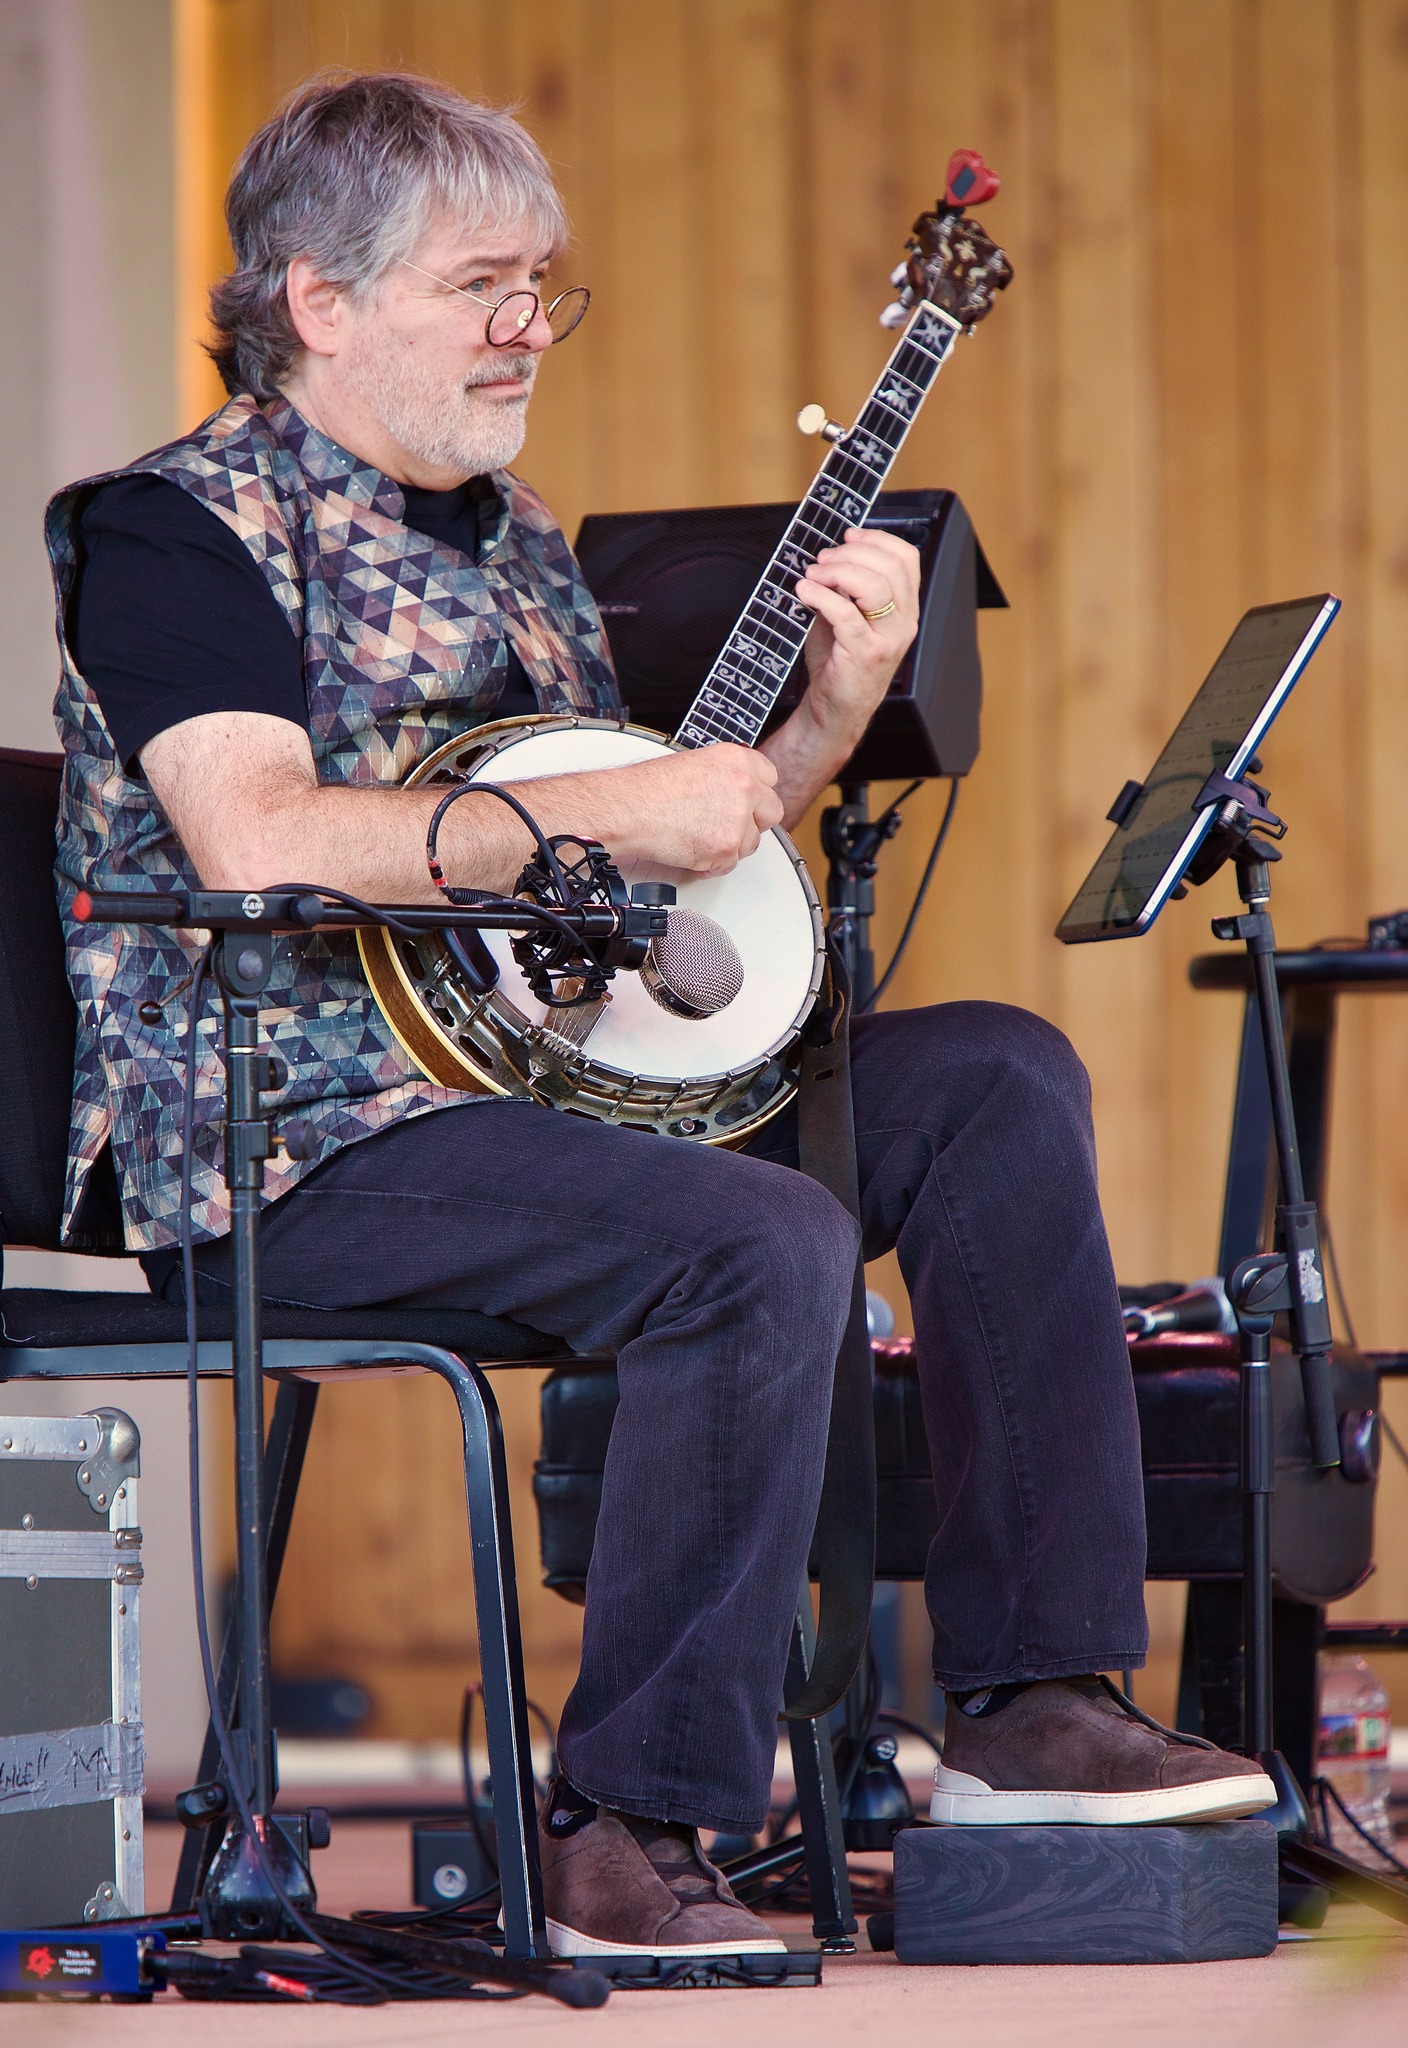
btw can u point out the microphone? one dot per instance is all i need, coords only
(694, 970)
(1202, 1306)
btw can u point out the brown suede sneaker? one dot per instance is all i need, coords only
(614, 1885)
(1075, 1750)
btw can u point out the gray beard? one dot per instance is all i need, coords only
(442, 426)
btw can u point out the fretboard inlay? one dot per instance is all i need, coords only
(745, 681)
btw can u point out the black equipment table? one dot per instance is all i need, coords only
(1311, 984)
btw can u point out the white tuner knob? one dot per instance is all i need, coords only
(812, 420)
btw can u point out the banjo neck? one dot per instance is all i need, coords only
(748, 675)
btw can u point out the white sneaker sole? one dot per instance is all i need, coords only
(569, 1941)
(962, 1801)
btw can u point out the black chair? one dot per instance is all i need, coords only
(56, 1335)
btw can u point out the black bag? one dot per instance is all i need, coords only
(1187, 1392)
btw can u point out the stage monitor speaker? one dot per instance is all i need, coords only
(671, 585)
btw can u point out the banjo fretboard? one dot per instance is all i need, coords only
(746, 679)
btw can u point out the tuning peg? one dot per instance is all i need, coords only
(899, 274)
(896, 315)
(812, 420)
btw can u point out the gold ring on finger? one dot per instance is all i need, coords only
(883, 612)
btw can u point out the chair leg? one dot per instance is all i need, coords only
(818, 1802)
(284, 1452)
(500, 1659)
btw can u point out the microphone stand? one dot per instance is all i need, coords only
(851, 840)
(876, 1801)
(1289, 1280)
(246, 1885)
(238, 1900)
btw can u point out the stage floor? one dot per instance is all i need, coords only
(1348, 1986)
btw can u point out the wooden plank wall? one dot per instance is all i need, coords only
(1192, 400)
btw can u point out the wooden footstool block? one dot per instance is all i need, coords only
(1196, 1894)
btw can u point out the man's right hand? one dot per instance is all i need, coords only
(701, 810)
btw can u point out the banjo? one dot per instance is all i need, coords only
(704, 1041)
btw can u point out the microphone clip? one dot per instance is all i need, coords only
(568, 964)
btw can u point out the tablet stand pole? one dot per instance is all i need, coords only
(1298, 1222)
(1289, 1280)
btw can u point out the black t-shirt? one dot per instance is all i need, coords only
(171, 616)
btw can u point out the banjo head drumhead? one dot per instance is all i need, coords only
(766, 905)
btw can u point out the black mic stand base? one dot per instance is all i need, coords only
(1290, 1816)
(1306, 1864)
(1311, 1876)
(238, 1902)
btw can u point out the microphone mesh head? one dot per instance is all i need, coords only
(695, 969)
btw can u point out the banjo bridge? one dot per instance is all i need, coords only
(571, 1028)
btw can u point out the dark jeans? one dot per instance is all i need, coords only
(721, 1282)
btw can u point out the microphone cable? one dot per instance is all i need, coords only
(482, 899)
(464, 787)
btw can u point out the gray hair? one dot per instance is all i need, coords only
(349, 173)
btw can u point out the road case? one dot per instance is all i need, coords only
(70, 1700)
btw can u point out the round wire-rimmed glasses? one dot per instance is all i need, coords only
(510, 317)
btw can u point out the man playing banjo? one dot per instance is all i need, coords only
(265, 627)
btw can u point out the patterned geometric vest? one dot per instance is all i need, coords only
(404, 645)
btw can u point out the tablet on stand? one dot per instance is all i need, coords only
(1161, 824)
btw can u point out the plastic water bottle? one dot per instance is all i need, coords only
(1353, 1751)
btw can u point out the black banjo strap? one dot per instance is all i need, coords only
(843, 1546)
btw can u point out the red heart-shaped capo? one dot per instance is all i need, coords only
(970, 181)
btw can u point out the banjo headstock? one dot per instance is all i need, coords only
(953, 260)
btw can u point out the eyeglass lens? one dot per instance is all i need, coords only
(514, 314)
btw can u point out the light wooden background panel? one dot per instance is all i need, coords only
(1192, 400)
